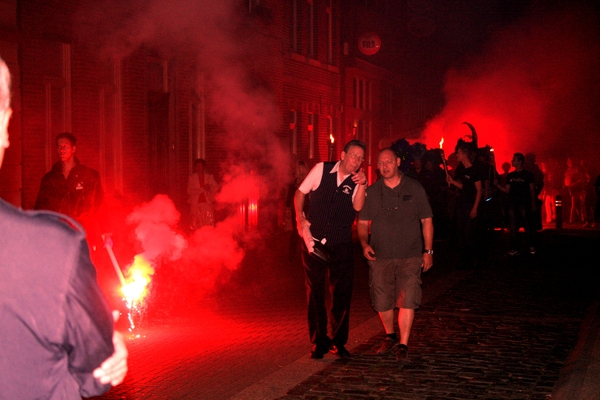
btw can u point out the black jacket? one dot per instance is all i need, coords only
(79, 193)
(55, 324)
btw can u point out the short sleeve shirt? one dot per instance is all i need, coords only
(395, 216)
(468, 177)
(313, 179)
(520, 187)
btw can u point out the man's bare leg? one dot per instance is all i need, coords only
(387, 319)
(405, 321)
(391, 340)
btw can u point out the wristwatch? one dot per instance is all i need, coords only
(428, 251)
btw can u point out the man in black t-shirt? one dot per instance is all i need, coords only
(520, 187)
(468, 178)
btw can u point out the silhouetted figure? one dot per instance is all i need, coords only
(575, 184)
(490, 208)
(435, 189)
(521, 203)
(468, 179)
(597, 208)
(587, 199)
(201, 190)
(538, 185)
(552, 188)
(502, 180)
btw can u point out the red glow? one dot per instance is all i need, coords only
(533, 91)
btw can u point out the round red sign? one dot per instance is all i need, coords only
(369, 43)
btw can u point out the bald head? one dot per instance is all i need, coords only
(388, 164)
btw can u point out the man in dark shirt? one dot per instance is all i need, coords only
(520, 187)
(468, 179)
(401, 222)
(55, 325)
(70, 187)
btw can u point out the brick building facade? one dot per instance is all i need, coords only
(143, 115)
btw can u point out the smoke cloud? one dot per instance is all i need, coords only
(155, 224)
(187, 268)
(534, 89)
(238, 99)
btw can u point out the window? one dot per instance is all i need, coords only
(294, 130)
(312, 29)
(329, 11)
(294, 33)
(355, 92)
(311, 135)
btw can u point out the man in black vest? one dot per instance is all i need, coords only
(337, 193)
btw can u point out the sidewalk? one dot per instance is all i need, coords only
(521, 328)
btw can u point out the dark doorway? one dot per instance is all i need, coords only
(158, 139)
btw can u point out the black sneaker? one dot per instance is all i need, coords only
(402, 353)
(317, 352)
(388, 345)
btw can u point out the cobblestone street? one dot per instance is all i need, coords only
(504, 331)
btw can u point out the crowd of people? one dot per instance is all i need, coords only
(522, 194)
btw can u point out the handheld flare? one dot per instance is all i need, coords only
(108, 246)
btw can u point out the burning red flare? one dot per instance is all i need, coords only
(135, 288)
(138, 277)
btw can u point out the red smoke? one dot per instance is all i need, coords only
(155, 229)
(187, 268)
(534, 90)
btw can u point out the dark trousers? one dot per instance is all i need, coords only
(518, 214)
(465, 234)
(340, 271)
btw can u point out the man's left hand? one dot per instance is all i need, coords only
(114, 368)
(427, 261)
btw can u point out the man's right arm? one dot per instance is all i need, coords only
(301, 220)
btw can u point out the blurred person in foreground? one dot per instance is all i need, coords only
(58, 340)
(337, 193)
(399, 215)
